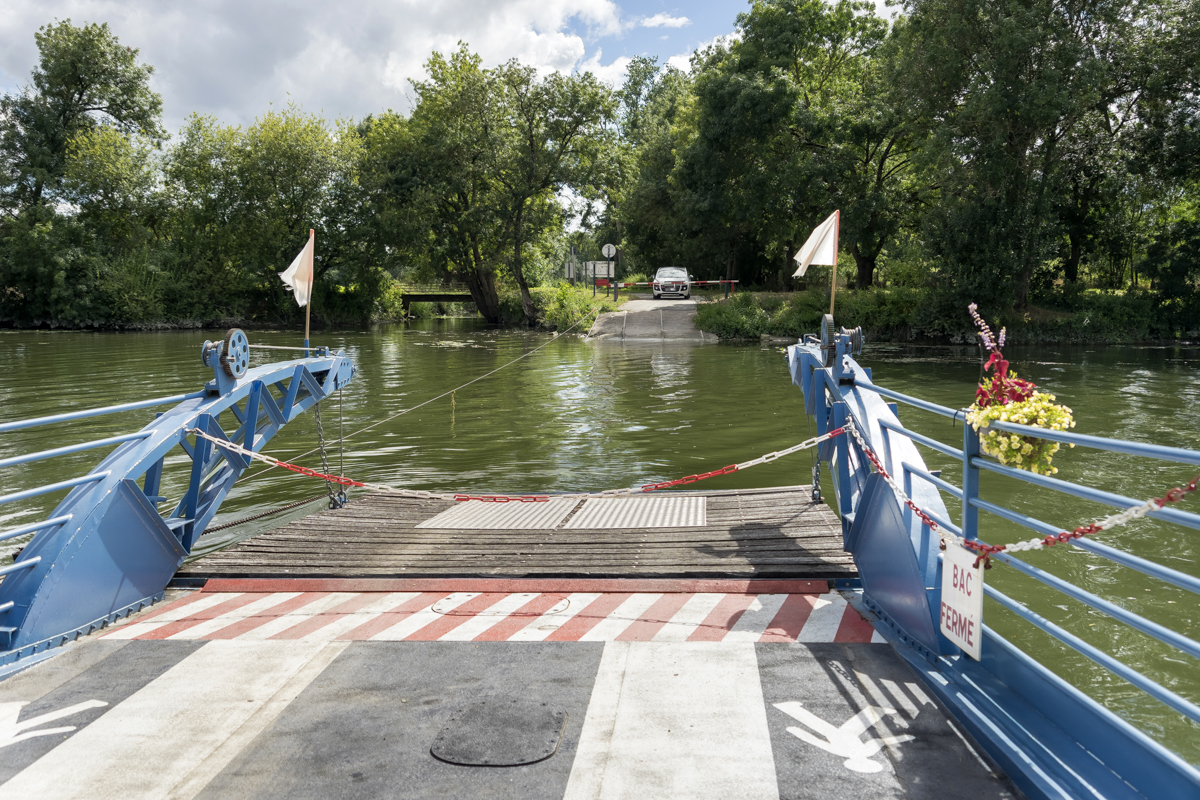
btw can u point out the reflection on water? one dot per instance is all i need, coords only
(579, 415)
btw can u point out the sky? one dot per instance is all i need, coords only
(233, 59)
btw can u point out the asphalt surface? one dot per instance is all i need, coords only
(339, 719)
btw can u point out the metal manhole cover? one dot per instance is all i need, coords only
(452, 608)
(500, 732)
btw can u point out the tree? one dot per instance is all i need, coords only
(84, 78)
(553, 137)
(1012, 94)
(449, 174)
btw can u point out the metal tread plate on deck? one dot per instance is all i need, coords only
(471, 515)
(640, 512)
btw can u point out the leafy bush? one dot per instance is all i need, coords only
(558, 307)
(907, 313)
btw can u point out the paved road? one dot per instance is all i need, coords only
(201, 703)
(651, 320)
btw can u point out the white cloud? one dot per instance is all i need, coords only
(664, 21)
(233, 58)
(613, 74)
(683, 61)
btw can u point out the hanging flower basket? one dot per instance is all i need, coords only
(1006, 398)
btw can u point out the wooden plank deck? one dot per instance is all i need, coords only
(775, 533)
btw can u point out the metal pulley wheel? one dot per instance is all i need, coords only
(235, 356)
(828, 348)
(856, 340)
(207, 352)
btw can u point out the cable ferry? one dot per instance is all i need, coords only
(655, 642)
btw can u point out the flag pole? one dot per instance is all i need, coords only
(312, 278)
(837, 223)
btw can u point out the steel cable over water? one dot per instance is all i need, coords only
(342, 437)
(452, 391)
(505, 498)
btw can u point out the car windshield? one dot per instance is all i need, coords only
(670, 274)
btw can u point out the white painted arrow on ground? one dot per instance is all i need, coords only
(11, 730)
(845, 741)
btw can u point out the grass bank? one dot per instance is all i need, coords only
(904, 315)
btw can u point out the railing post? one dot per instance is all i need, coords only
(970, 482)
(842, 473)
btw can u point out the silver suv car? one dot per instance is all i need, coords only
(672, 282)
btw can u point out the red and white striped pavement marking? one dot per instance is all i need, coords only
(505, 616)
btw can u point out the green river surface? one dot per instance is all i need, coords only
(582, 415)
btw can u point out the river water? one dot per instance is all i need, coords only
(579, 415)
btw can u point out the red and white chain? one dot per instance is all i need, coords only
(985, 551)
(504, 498)
(852, 428)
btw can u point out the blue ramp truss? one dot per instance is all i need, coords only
(1052, 739)
(107, 549)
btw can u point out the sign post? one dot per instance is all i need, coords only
(962, 599)
(609, 251)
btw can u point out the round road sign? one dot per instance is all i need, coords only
(608, 250)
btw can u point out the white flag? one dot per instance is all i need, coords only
(821, 247)
(299, 276)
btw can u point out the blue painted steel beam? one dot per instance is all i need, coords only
(54, 487)
(1088, 493)
(1160, 452)
(1143, 566)
(110, 535)
(945, 486)
(28, 563)
(1118, 668)
(912, 401)
(945, 449)
(1167, 574)
(1163, 634)
(97, 412)
(33, 526)
(74, 448)
(1001, 697)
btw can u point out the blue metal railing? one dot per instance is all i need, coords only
(835, 391)
(970, 530)
(36, 422)
(107, 532)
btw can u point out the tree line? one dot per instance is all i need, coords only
(1018, 153)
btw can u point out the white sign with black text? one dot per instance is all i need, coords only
(962, 599)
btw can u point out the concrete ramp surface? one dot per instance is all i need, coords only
(195, 700)
(651, 320)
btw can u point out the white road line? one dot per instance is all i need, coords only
(621, 618)
(878, 638)
(826, 618)
(690, 723)
(173, 723)
(224, 754)
(349, 622)
(688, 618)
(410, 625)
(259, 606)
(551, 621)
(750, 627)
(595, 740)
(135, 629)
(302, 614)
(495, 614)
